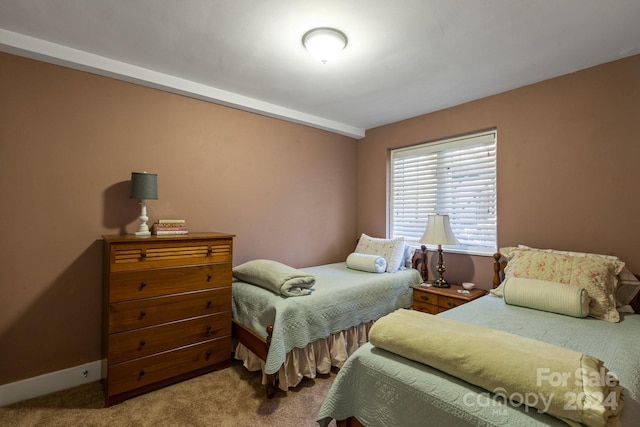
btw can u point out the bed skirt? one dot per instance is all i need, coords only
(317, 357)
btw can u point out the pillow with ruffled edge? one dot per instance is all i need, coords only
(547, 296)
(596, 273)
(627, 285)
(391, 249)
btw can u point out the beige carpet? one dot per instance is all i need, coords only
(230, 397)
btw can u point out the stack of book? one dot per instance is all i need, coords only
(165, 227)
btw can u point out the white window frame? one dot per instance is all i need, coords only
(469, 194)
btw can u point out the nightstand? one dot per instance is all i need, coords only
(435, 300)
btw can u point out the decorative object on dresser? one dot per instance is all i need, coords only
(167, 310)
(144, 186)
(169, 227)
(436, 300)
(438, 232)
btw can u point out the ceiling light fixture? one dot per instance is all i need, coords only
(324, 43)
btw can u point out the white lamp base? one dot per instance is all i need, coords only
(143, 231)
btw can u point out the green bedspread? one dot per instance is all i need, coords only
(341, 298)
(381, 388)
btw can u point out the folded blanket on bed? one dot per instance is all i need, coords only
(276, 277)
(569, 385)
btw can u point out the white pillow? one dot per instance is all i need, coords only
(366, 262)
(391, 249)
(409, 252)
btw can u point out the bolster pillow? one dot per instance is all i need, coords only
(468, 352)
(366, 262)
(543, 295)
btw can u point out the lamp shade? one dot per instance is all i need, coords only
(438, 231)
(144, 186)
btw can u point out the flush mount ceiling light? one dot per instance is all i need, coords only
(324, 43)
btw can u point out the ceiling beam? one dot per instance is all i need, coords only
(42, 50)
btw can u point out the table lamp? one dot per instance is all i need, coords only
(144, 186)
(438, 232)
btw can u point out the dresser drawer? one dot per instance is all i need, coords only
(154, 339)
(151, 369)
(141, 313)
(139, 255)
(131, 285)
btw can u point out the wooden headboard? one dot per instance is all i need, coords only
(498, 269)
(419, 262)
(499, 265)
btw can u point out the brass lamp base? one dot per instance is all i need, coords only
(440, 283)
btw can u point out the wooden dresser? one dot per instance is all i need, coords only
(435, 300)
(167, 313)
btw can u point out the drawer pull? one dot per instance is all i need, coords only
(424, 298)
(142, 344)
(142, 314)
(141, 374)
(209, 277)
(143, 285)
(451, 304)
(208, 304)
(208, 330)
(207, 355)
(143, 255)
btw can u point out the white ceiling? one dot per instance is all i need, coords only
(404, 57)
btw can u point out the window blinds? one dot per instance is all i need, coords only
(455, 177)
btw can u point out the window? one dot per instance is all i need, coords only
(456, 177)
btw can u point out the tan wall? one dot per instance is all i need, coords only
(568, 164)
(568, 150)
(69, 141)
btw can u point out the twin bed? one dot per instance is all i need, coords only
(384, 382)
(289, 337)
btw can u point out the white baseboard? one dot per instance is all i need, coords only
(49, 383)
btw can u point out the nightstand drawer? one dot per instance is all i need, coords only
(152, 283)
(425, 308)
(448, 302)
(434, 300)
(128, 315)
(148, 370)
(155, 339)
(425, 298)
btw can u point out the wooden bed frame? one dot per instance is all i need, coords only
(260, 346)
(499, 265)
